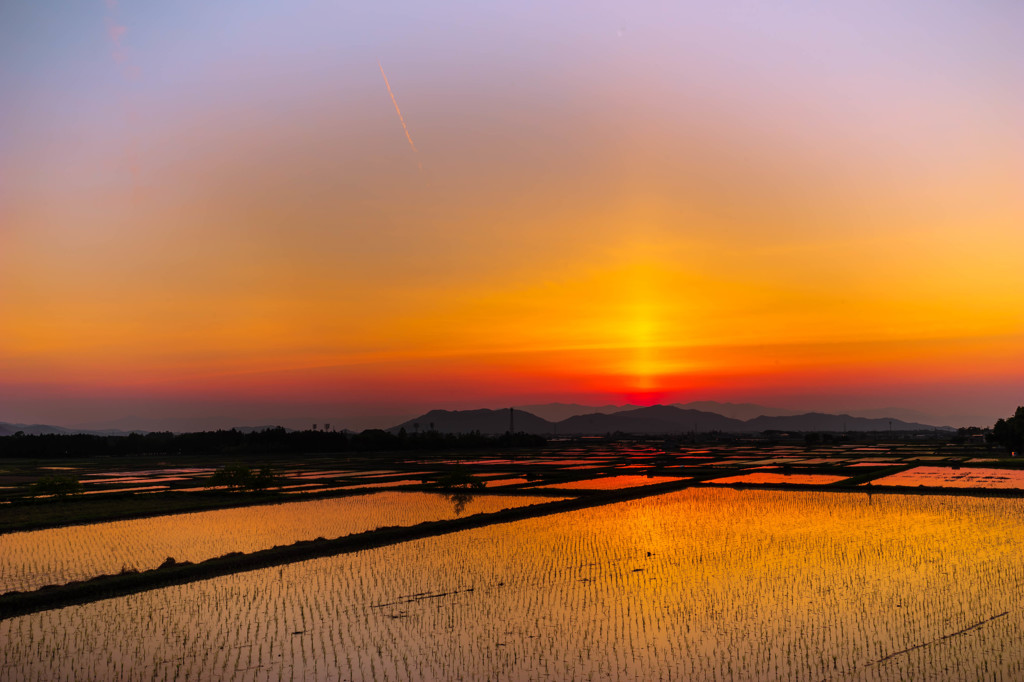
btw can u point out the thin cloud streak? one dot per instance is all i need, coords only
(405, 128)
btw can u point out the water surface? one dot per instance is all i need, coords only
(29, 560)
(702, 584)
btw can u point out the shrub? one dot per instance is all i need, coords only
(240, 477)
(60, 486)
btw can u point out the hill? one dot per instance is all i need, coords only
(657, 419)
(649, 420)
(8, 429)
(468, 421)
(816, 421)
(556, 412)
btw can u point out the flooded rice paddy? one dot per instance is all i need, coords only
(764, 477)
(703, 584)
(100, 480)
(956, 478)
(613, 482)
(53, 556)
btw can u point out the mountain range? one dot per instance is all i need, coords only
(556, 412)
(657, 419)
(7, 429)
(573, 419)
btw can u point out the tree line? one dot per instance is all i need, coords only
(266, 442)
(1010, 432)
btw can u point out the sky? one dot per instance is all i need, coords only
(218, 210)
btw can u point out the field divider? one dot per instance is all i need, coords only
(102, 587)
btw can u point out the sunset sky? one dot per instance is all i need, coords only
(211, 209)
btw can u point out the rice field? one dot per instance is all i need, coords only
(702, 584)
(967, 477)
(829, 461)
(100, 480)
(765, 477)
(54, 556)
(612, 482)
(370, 483)
(875, 464)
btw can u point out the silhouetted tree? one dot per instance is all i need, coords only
(459, 485)
(240, 477)
(1010, 432)
(263, 480)
(60, 486)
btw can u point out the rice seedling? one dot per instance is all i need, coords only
(709, 584)
(29, 560)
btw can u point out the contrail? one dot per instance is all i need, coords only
(400, 118)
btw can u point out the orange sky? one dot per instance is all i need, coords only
(808, 209)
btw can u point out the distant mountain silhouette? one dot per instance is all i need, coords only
(487, 422)
(741, 411)
(657, 419)
(919, 417)
(7, 429)
(649, 420)
(556, 412)
(816, 421)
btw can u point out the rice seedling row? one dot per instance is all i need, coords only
(709, 584)
(53, 556)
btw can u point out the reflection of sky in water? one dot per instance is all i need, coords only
(612, 482)
(956, 478)
(697, 585)
(797, 479)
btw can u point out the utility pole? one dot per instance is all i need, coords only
(511, 420)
